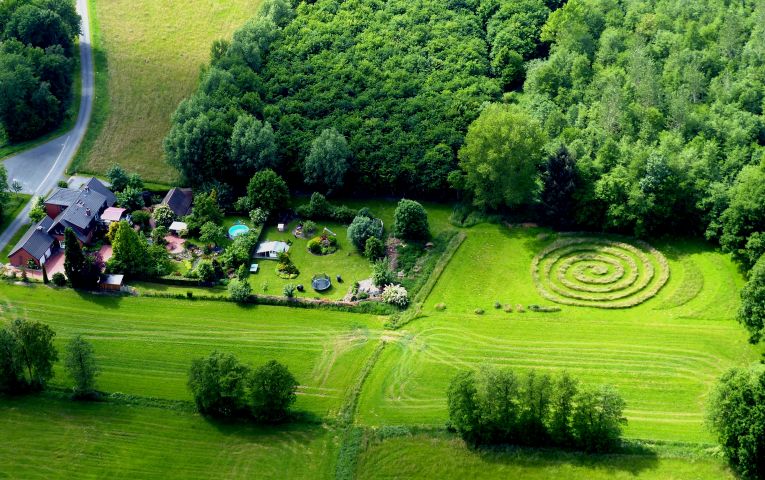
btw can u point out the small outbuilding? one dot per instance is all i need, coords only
(178, 227)
(271, 249)
(112, 215)
(281, 227)
(112, 283)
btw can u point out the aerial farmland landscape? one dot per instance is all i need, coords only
(378, 239)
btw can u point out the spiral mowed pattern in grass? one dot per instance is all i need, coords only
(598, 272)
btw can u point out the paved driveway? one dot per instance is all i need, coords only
(39, 169)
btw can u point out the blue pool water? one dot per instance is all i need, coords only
(237, 230)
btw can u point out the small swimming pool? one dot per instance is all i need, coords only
(237, 230)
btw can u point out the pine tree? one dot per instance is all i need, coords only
(45, 275)
(559, 184)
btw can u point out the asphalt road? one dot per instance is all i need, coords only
(40, 168)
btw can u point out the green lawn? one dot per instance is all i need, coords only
(46, 439)
(664, 355)
(443, 457)
(147, 62)
(346, 261)
(15, 205)
(145, 345)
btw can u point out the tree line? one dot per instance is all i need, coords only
(220, 384)
(380, 91)
(498, 406)
(37, 46)
(27, 356)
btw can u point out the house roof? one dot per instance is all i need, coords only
(277, 247)
(178, 226)
(63, 196)
(98, 186)
(83, 211)
(37, 240)
(179, 200)
(113, 214)
(112, 279)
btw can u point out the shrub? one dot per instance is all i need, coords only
(479, 311)
(217, 384)
(410, 221)
(272, 390)
(508, 308)
(395, 295)
(140, 218)
(285, 268)
(37, 212)
(158, 235)
(320, 209)
(314, 245)
(440, 307)
(363, 228)
(239, 291)
(737, 415)
(80, 364)
(382, 274)
(497, 305)
(259, 216)
(163, 216)
(58, 279)
(289, 290)
(309, 226)
(62, 184)
(374, 249)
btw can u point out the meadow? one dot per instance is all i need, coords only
(147, 61)
(144, 346)
(61, 439)
(413, 457)
(663, 355)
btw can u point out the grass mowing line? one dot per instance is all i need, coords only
(145, 346)
(45, 438)
(411, 455)
(350, 446)
(415, 310)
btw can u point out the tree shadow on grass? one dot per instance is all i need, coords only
(105, 300)
(633, 458)
(301, 427)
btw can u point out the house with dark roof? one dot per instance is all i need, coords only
(36, 246)
(179, 200)
(79, 210)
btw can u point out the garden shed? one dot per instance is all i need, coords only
(178, 227)
(271, 249)
(111, 282)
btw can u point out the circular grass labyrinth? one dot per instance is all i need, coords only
(598, 272)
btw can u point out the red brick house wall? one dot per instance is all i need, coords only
(52, 210)
(21, 259)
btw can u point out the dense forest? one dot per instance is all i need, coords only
(399, 80)
(36, 65)
(630, 116)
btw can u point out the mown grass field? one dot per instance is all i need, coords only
(663, 355)
(145, 345)
(148, 58)
(46, 439)
(443, 457)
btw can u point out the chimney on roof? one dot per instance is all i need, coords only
(87, 212)
(39, 228)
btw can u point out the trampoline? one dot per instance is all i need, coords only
(321, 282)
